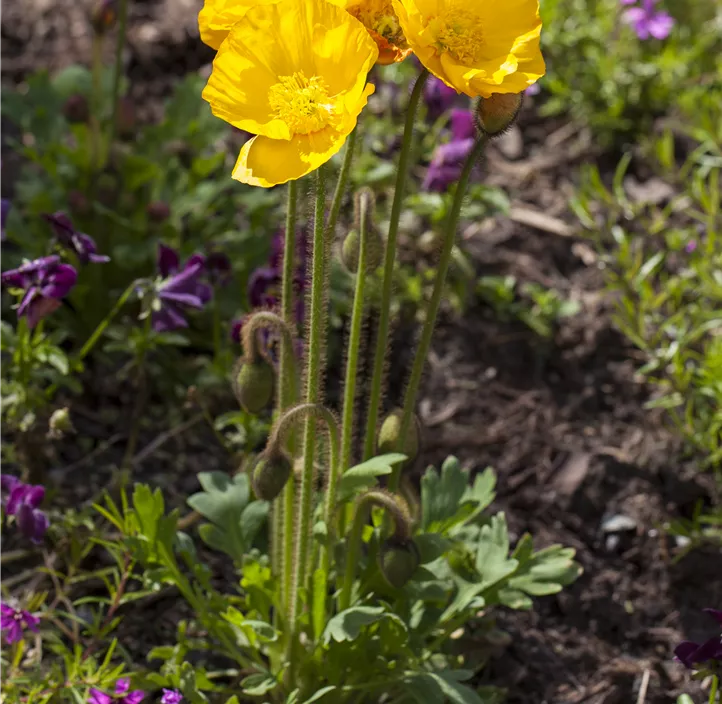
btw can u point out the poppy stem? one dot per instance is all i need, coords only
(287, 389)
(389, 259)
(442, 269)
(314, 352)
(354, 346)
(341, 183)
(118, 69)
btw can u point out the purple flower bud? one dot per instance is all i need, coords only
(82, 245)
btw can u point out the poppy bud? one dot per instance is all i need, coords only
(497, 113)
(76, 109)
(389, 437)
(270, 475)
(158, 211)
(253, 385)
(104, 15)
(398, 560)
(350, 251)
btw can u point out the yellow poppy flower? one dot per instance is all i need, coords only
(218, 16)
(478, 47)
(294, 74)
(379, 18)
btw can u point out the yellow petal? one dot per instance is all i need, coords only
(218, 16)
(268, 162)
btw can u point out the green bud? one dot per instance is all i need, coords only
(270, 475)
(495, 114)
(253, 385)
(389, 440)
(398, 560)
(350, 253)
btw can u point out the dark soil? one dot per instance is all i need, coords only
(563, 422)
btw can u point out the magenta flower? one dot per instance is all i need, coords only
(647, 22)
(446, 165)
(22, 502)
(692, 654)
(120, 696)
(14, 621)
(171, 696)
(82, 245)
(462, 125)
(180, 289)
(45, 282)
(5, 206)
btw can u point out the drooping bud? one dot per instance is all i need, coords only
(270, 474)
(158, 211)
(76, 109)
(103, 16)
(389, 436)
(398, 560)
(253, 385)
(497, 113)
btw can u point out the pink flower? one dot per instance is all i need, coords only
(14, 621)
(120, 696)
(647, 22)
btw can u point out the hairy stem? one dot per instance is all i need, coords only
(442, 269)
(341, 184)
(354, 346)
(284, 505)
(313, 394)
(389, 259)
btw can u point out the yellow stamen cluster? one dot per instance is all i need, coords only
(379, 16)
(459, 32)
(302, 103)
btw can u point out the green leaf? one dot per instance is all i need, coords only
(150, 508)
(349, 624)
(439, 688)
(320, 694)
(259, 684)
(431, 546)
(364, 475)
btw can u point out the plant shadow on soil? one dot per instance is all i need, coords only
(562, 422)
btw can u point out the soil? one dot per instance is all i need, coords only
(563, 422)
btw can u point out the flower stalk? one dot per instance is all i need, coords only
(432, 311)
(389, 260)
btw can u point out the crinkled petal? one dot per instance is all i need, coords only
(59, 282)
(98, 697)
(168, 318)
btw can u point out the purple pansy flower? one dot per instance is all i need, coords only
(648, 22)
(5, 206)
(535, 88)
(446, 165)
(14, 621)
(179, 289)
(81, 244)
(45, 281)
(438, 96)
(120, 696)
(171, 696)
(22, 502)
(692, 654)
(7, 484)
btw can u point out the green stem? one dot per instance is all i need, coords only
(402, 530)
(412, 389)
(341, 184)
(90, 343)
(313, 395)
(354, 346)
(95, 133)
(283, 506)
(118, 69)
(389, 259)
(713, 689)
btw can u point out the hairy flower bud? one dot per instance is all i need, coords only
(270, 474)
(104, 15)
(76, 109)
(389, 436)
(350, 253)
(398, 560)
(495, 114)
(253, 385)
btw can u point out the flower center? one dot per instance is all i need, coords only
(459, 32)
(379, 16)
(302, 103)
